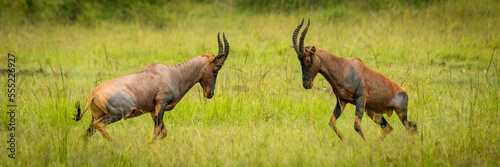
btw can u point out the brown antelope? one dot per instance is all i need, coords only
(353, 82)
(155, 89)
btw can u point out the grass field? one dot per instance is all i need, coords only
(445, 55)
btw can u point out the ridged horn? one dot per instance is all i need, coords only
(294, 37)
(226, 45)
(301, 41)
(223, 50)
(220, 45)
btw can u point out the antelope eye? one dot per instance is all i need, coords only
(307, 59)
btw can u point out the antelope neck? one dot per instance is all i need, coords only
(187, 74)
(331, 67)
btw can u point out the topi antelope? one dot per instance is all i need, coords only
(353, 82)
(155, 89)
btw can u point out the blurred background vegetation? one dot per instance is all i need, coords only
(161, 12)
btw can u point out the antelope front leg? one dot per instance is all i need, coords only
(360, 109)
(410, 126)
(401, 108)
(336, 114)
(159, 128)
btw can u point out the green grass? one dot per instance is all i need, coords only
(445, 55)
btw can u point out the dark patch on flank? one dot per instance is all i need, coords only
(167, 99)
(354, 80)
(169, 95)
(119, 105)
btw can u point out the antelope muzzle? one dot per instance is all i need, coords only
(308, 84)
(208, 93)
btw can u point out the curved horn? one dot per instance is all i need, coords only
(301, 41)
(220, 45)
(223, 52)
(294, 37)
(226, 45)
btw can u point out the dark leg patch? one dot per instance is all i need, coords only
(109, 119)
(90, 130)
(338, 109)
(383, 123)
(336, 114)
(400, 102)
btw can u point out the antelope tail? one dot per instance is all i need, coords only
(78, 115)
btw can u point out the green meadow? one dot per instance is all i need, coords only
(445, 54)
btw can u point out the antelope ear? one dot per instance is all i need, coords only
(313, 49)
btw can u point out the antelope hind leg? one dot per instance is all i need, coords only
(380, 120)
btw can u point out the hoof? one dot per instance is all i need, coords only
(412, 127)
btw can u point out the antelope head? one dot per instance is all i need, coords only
(307, 57)
(209, 73)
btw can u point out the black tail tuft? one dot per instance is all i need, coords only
(78, 115)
